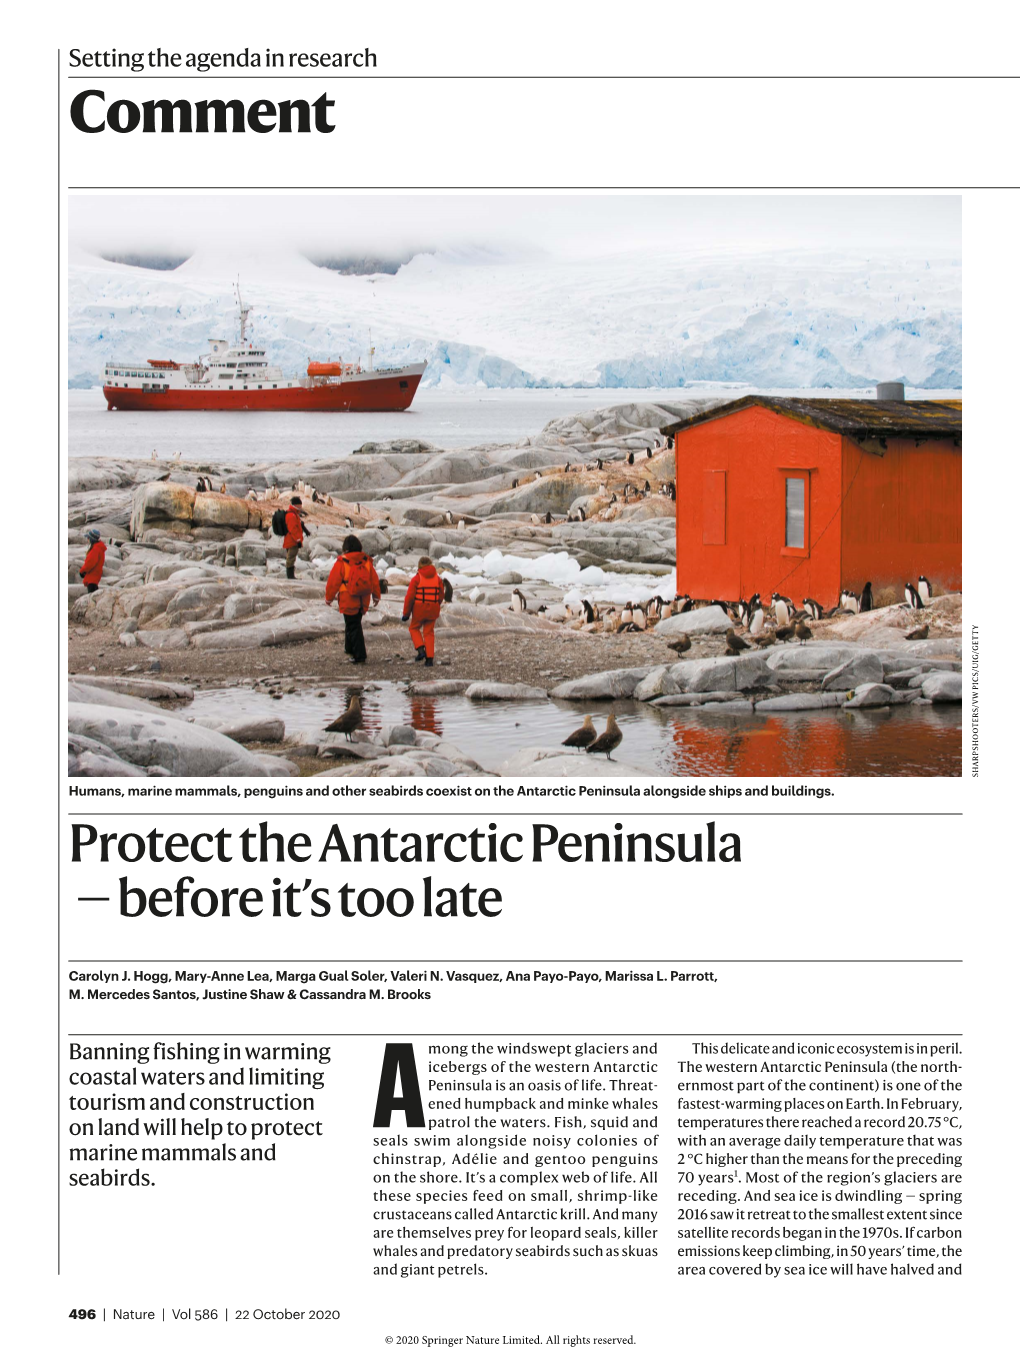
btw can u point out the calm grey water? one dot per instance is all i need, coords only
(909, 741)
(460, 419)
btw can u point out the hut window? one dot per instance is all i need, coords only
(796, 512)
(713, 518)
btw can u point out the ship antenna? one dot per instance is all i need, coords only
(243, 311)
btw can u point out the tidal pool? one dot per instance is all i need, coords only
(662, 741)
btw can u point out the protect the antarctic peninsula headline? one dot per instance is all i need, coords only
(482, 845)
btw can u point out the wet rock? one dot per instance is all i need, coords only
(866, 667)
(657, 683)
(814, 654)
(609, 686)
(505, 691)
(871, 694)
(549, 762)
(246, 730)
(943, 687)
(394, 735)
(739, 673)
(440, 687)
(800, 701)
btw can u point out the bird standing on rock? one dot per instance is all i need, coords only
(912, 597)
(920, 634)
(784, 633)
(582, 737)
(734, 644)
(610, 738)
(680, 645)
(924, 589)
(518, 602)
(801, 631)
(347, 723)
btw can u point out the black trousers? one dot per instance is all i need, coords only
(92, 588)
(354, 637)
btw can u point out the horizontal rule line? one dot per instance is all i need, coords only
(331, 73)
(523, 813)
(194, 960)
(525, 1034)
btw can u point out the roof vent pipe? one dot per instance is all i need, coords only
(890, 390)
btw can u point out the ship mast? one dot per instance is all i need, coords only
(243, 311)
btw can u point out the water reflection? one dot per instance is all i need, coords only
(663, 741)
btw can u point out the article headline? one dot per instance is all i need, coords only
(480, 845)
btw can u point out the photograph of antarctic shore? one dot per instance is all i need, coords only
(657, 486)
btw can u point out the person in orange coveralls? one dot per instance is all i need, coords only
(295, 535)
(422, 605)
(92, 570)
(355, 585)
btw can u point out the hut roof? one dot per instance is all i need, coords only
(852, 418)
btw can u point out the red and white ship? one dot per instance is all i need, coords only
(240, 378)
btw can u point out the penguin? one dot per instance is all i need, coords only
(648, 453)
(653, 609)
(682, 603)
(199, 485)
(315, 496)
(582, 515)
(626, 616)
(251, 495)
(534, 519)
(581, 737)
(920, 634)
(913, 598)
(648, 488)
(813, 609)
(548, 518)
(347, 723)
(867, 602)
(638, 619)
(518, 602)
(447, 590)
(734, 644)
(630, 458)
(154, 457)
(680, 645)
(783, 608)
(924, 588)
(449, 518)
(613, 500)
(757, 624)
(348, 522)
(850, 601)
(598, 461)
(514, 484)
(460, 524)
(589, 612)
(610, 738)
(802, 632)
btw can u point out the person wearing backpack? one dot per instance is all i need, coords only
(354, 584)
(295, 534)
(422, 605)
(92, 569)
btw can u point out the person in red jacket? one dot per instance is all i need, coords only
(355, 585)
(422, 605)
(92, 570)
(295, 534)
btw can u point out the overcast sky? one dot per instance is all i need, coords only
(556, 224)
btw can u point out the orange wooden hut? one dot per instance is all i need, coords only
(806, 497)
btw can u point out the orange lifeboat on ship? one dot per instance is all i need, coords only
(325, 369)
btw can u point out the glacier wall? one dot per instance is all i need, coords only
(779, 320)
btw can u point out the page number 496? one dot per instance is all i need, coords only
(82, 1312)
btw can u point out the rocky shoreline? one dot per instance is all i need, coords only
(194, 596)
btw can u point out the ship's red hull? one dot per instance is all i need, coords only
(376, 395)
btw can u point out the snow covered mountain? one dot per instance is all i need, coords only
(637, 319)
